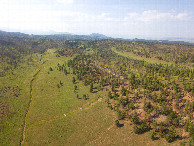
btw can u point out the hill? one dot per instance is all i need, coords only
(91, 37)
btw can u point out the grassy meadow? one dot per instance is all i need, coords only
(12, 121)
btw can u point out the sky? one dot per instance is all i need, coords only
(115, 18)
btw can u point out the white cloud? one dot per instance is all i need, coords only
(154, 15)
(182, 16)
(65, 1)
(34, 16)
(29, 18)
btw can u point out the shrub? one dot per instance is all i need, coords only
(50, 69)
(135, 118)
(142, 128)
(153, 135)
(117, 123)
(120, 114)
(171, 135)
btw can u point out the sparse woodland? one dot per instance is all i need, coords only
(157, 97)
(153, 97)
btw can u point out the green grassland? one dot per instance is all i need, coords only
(49, 101)
(12, 122)
(131, 55)
(149, 60)
(86, 122)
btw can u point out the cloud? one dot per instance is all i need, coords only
(37, 16)
(182, 16)
(30, 18)
(155, 15)
(65, 1)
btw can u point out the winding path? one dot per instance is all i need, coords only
(87, 106)
(31, 86)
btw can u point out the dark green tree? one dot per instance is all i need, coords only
(73, 80)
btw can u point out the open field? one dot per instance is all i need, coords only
(49, 101)
(15, 97)
(131, 55)
(149, 60)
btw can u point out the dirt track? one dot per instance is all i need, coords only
(31, 87)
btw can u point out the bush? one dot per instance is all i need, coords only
(50, 69)
(171, 135)
(73, 80)
(120, 114)
(191, 130)
(142, 128)
(153, 135)
(191, 133)
(135, 118)
(117, 123)
(84, 97)
(182, 143)
(110, 94)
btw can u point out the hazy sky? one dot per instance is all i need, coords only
(116, 18)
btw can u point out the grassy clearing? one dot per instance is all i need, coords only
(49, 101)
(12, 122)
(125, 136)
(150, 60)
(89, 51)
(77, 129)
(91, 126)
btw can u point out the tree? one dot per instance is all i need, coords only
(186, 126)
(84, 97)
(110, 94)
(131, 105)
(142, 128)
(73, 80)
(154, 124)
(116, 95)
(182, 143)
(171, 135)
(117, 123)
(153, 135)
(123, 91)
(50, 69)
(91, 87)
(120, 114)
(191, 133)
(85, 82)
(65, 71)
(61, 83)
(135, 118)
(147, 106)
(75, 87)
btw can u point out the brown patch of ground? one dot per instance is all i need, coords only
(161, 118)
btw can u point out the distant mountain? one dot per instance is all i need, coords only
(97, 35)
(93, 36)
(57, 36)
(13, 34)
(164, 41)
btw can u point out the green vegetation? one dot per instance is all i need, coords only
(79, 92)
